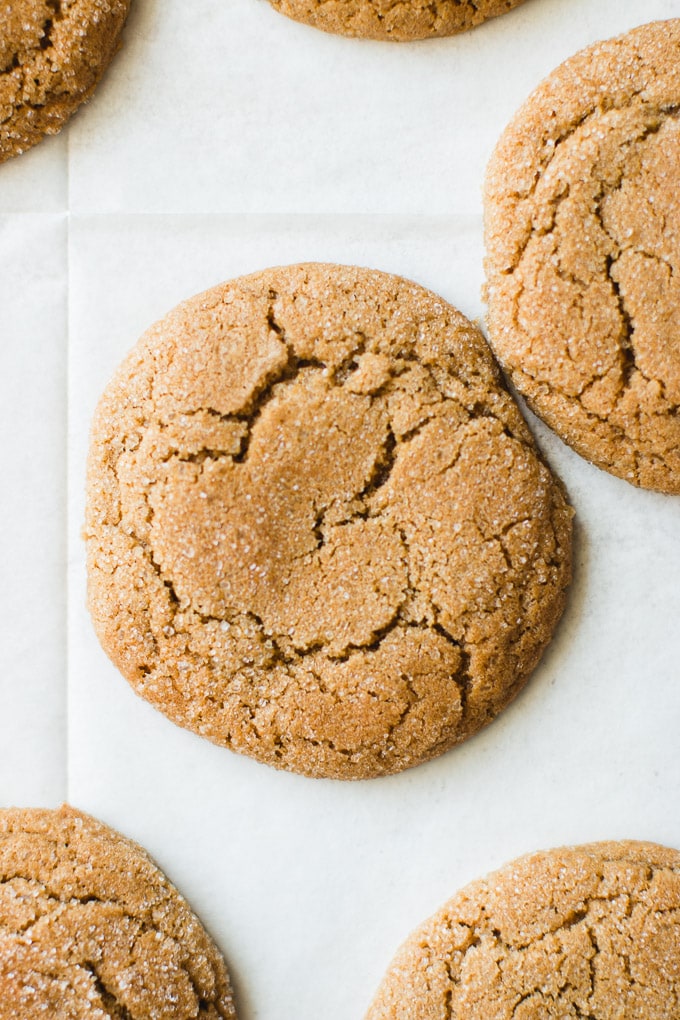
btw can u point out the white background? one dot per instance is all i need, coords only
(225, 139)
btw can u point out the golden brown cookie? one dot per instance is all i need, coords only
(396, 20)
(52, 54)
(583, 253)
(588, 931)
(318, 529)
(90, 928)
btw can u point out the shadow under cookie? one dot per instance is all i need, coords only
(319, 532)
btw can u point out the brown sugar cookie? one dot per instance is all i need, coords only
(90, 928)
(590, 931)
(583, 253)
(52, 54)
(318, 529)
(396, 20)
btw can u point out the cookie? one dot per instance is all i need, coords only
(318, 529)
(396, 20)
(583, 254)
(52, 54)
(89, 927)
(590, 931)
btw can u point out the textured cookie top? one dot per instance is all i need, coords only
(318, 529)
(52, 54)
(591, 931)
(90, 928)
(396, 20)
(583, 241)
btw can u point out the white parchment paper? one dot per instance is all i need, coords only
(223, 140)
(33, 302)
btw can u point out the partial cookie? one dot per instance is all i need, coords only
(583, 253)
(52, 54)
(318, 529)
(396, 20)
(590, 931)
(90, 928)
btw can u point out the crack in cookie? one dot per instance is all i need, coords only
(582, 237)
(395, 20)
(318, 529)
(590, 931)
(52, 55)
(90, 927)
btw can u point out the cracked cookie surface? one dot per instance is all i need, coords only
(91, 929)
(590, 931)
(583, 253)
(52, 54)
(396, 20)
(318, 529)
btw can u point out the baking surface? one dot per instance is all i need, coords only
(224, 139)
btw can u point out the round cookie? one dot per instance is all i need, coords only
(52, 54)
(90, 928)
(590, 931)
(583, 253)
(318, 529)
(394, 20)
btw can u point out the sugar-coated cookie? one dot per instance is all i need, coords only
(583, 253)
(91, 930)
(588, 931)
(397, 20)
(318, 529)
(52, 54)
